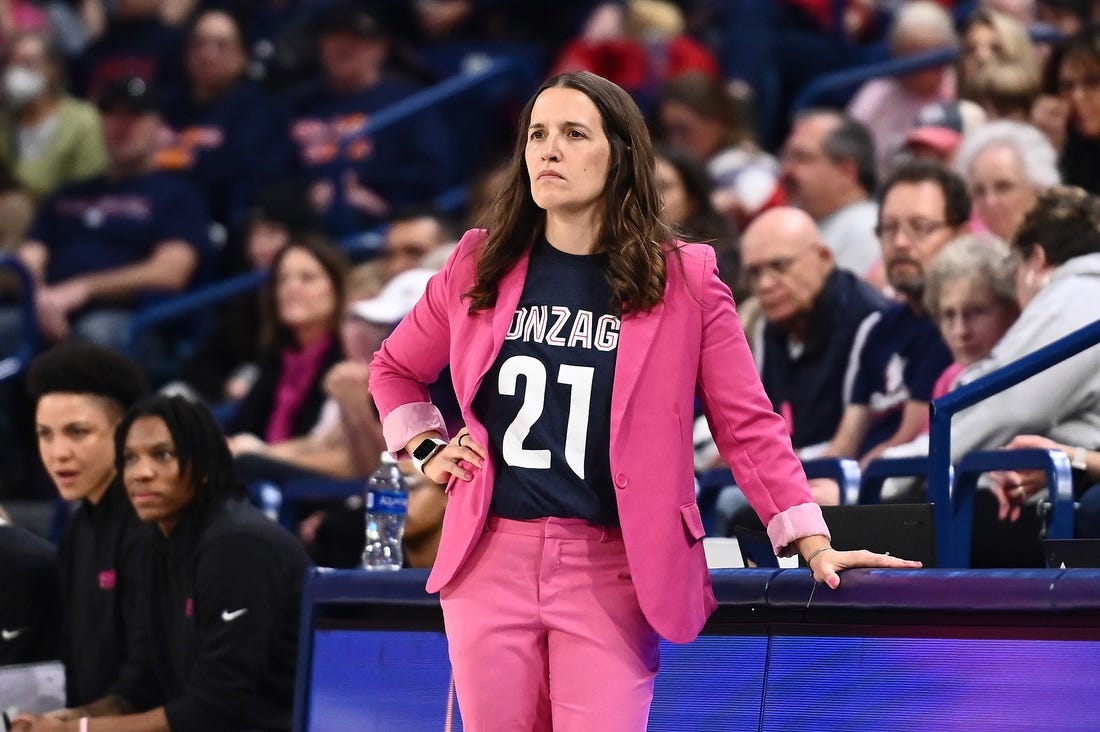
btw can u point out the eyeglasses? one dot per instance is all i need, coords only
(915, 229)
(966, 315)
(778, 267)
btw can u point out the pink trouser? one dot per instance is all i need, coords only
(544, 631)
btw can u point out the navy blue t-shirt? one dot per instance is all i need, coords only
(546, 401)
(231, 148)
(100, 224)
(901, 360)
(405, 163)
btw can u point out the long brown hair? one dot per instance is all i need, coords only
(631, 232)
(273, 333)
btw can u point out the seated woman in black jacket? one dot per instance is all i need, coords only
(223, 588)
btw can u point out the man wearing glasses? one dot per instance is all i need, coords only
(922, 206)
(816, 317)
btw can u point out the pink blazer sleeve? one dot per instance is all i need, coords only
(416, 352)
(751, 437)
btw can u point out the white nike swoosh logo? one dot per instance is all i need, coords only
(10, 635)
(231, 616)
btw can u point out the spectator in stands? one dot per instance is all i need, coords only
(103, 247)
(223, 584)
(1058, 247)
(347, 439)
(816, 316)
(1015, 488)
(1007, 165)
(940, 129)
(686, 189)
(16, 212)
(224, 365)
(970, 293)
(137, 43)
(30, 604)
(48, 137)
(923, 205)
(228, 135)
(303, 306)
(413, 234)
(828, 171)
(359, 181)
(1068, 17)
(992, 37)
(698, 114)
(1005, 90)
(888, 106)
(1076, 71)
(637, 45)
(81, 392)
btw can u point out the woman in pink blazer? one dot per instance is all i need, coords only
(579, 332)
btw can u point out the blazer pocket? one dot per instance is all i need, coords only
(693, 521)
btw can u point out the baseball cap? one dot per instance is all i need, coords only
(132, 94)
(942, 125)
(396, 298)
(348, 17)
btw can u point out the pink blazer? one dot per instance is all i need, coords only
(691, 344)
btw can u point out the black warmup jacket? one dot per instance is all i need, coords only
(102, 563)
(224, 594)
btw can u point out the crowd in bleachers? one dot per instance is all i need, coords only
(885, 246)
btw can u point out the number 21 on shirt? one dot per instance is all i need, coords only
(579, 380)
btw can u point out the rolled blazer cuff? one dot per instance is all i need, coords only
(796, 522)
(408, 421)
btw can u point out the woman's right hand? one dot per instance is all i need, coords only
(448, 461)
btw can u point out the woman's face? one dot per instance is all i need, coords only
(76, 439)
(1079, 80)
(980, 46)
(1002, 193)
(685, 128)
(568, 154)
(151, 474)
(971, 319)
(305, 297)
(676, 205)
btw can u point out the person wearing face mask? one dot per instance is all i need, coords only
(48, 137)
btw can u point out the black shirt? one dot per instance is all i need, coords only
(224, 591)
(29, 602)
(546, 401)
(808, 389)
(102, 568)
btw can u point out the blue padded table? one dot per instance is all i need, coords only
(943, 649)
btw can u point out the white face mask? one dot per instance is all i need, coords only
(23, 85)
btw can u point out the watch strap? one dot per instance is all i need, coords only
(422, 454)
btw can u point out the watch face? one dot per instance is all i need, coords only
(424, 449)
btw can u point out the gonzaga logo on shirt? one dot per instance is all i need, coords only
(557, 325)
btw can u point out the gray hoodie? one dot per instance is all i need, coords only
(1063, 402)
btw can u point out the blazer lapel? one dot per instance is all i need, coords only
(636, 335)
(508, 294)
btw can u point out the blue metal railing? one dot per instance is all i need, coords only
(875, 475)
(947, 406)
(29, 338)
(973, 465)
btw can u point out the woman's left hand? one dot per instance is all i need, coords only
(827, 565)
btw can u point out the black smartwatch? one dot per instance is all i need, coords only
(423, 452)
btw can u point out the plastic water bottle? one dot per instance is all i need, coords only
(386, 502)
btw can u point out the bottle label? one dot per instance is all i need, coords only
(395, 502)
